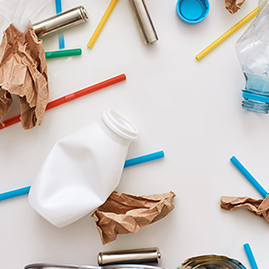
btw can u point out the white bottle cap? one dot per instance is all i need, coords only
(120, 125)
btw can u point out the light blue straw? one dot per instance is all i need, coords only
(130, 162)
(58, 4)
(249, 177)
(14, 193)
(145, 158)
(250, 256)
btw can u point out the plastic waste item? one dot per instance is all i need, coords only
(14, 193)
(131, 256)
(102, 23)
(253, 54)
(58, 5)
(72, 266)
(249, 177)
(70, 97)
(228, 33)
(20, 13)
(211, 261)
(192, 11)
(144, 21)
(250, 256)
(82, 170)
(134, 161)
(62, 53)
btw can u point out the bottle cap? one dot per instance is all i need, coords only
(192, 11)
(120, 125)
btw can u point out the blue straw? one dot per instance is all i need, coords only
(130, 162)
(250, 256)
(58, 4)
(249, 177)
(145, 158)
(14, 193)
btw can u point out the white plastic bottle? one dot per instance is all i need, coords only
(82, 170)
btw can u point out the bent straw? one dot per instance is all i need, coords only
(70, 97)
(250, 256)
(130, 162)
(62, 53)
(213, 45)
(249, 177)
(58, 5)
(102, 23)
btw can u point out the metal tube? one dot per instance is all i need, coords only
(134, 256)
(144, 21)
(60, 22)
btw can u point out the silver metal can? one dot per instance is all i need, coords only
(60, 22)
(133, 256)
(144, 21)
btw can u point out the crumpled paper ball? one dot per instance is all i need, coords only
(23, 72)
(125, 213)
(259, 207)
(233, 5)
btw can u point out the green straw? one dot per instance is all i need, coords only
(63, 53)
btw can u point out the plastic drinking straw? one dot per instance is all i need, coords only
(58, 5)
(249, 177)
(70, 97)
(62, 53)
(213, 45)
(250, 256)
(14, 193)
(102, 23)
(145, 158)
(130, 162)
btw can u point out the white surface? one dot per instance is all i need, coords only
(191, 110)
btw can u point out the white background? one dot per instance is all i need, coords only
(190, 109)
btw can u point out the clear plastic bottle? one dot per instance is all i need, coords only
(252, 50)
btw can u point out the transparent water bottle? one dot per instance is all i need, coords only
(252, 50)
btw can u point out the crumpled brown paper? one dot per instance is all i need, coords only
(125, 213)
(233, 5)
(23, 72)
(259, 207)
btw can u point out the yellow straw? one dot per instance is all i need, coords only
(102, 23)
(226, 34)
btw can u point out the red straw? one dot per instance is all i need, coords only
(70, 97)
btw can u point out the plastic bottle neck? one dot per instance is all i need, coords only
(119, 125)
(255, 102)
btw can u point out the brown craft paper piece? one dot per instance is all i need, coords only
(125, 213)
(233, 5)
(23, 72)
(259, 207)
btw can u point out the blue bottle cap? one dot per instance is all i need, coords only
(192, 11)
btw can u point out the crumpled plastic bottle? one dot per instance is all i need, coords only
(82, 170)
(252, 50)
(20, 13)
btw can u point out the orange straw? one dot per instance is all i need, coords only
(70, 97)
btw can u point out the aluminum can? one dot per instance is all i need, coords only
(144, 21)
(60, 22)
(133, 256)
